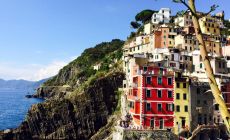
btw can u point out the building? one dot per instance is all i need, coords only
(184, 20)
(225, 90)
(181, 103)
(186, 42)
(97, 66)
(151, 97)
(201, 104)
(168, 33)
(219, 65)
(213, 44)
(219, 18)
(166, 86)
(163, 16)
(209, 25)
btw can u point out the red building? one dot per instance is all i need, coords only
(151, 97)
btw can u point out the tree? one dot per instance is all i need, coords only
(209, 71)
(144, 15)
(135, 24)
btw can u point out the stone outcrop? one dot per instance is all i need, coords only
(47, 92)
(79, 117)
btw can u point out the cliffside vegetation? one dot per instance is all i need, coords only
(82, 67)
(226, 31)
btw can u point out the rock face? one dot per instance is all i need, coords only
(79, 117)
(51, 91)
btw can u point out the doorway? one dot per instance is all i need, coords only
(152, 123)
(161, 123)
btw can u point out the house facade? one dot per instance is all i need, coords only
(163, 16)
(181, 103)
(151, 97)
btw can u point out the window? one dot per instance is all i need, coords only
(220, 65)
(185, 58)
(148, 80)
(184, 85)
(186, 108)
(177, 85)
(178, 96)
(148, 107)
(172, 57)
(131, 104)
(198, 102)
(159, 93)
(145, 69)
(181, 66)
(198, 90)
(170, 94)
(169, 107)
(159, 80)
(205, 102)
(216, 107)
(169, 81)
(201, 65)
(185, 96)
(148, 93)
(159, 107)
(177, 108)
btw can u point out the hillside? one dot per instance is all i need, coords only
(20, 84)
(80, 99)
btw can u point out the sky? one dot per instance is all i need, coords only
(39, 37)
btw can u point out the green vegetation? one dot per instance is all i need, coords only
(118, 98)
(141, 18)
(135, 24)
(82, 67)
(144, 15)
(226, 31)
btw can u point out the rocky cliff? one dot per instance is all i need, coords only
(79, 100)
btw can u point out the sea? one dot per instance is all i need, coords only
(14, 107)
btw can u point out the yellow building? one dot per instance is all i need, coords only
(209, 25)
(181, 103)
(213, 44)
(211, 30)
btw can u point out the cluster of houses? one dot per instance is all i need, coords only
(166, 86)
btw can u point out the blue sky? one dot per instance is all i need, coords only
(38, 37)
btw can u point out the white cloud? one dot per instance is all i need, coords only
(32, 72)
(50, 70)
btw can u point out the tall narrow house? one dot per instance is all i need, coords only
(151, 97)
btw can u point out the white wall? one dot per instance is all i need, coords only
(162, 16)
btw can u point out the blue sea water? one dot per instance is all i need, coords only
(14, 107)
